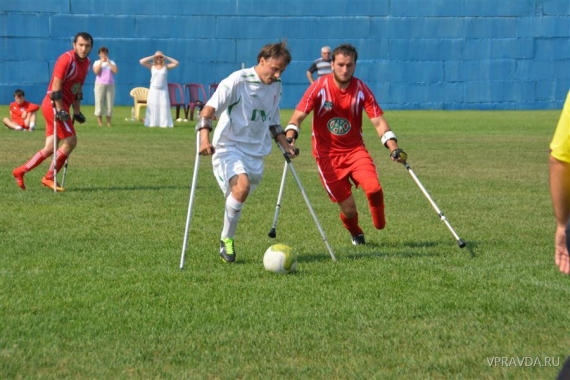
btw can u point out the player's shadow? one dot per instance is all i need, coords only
(411, 250)
(127, 188)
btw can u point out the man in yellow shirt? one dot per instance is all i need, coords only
(559, 162)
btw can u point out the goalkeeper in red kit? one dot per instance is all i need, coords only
(338, 101)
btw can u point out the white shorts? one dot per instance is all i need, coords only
(230, 163)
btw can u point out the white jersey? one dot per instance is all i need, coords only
(249, 108)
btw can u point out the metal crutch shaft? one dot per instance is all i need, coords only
(460, 242)
(273, 233)
(54, 146)
(292, 169)
(191, 201)
(64, 172)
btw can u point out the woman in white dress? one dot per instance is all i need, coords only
(158, 102)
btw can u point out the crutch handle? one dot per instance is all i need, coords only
(286, 154)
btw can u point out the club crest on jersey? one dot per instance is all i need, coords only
(328, 106)
(76, 88)
(338, 126)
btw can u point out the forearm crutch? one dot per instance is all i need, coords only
(272, 233)
(64, 172)
(460, 242)
(292, 169)
(191, 201)
(54, 147)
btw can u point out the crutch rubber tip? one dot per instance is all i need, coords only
(461, 243)
(272, 233)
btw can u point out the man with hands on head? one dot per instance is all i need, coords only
(65, 89)
(247, 106)
(337, 101)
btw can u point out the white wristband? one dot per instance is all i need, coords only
(389, 135)
(292, 127)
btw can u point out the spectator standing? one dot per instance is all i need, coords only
(158, 112)
(65, 89)
(105, 70)
(22, 113)
(322, 65)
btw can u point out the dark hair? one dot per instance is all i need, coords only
(19, 93)
(103, 49)
(345, 49)
(86, 36)
(277, 50)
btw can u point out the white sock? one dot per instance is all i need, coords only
(32, 125)
(231, 216)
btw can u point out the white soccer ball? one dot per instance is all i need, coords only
(280, 258)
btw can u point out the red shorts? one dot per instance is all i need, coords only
(21, 122)
(338, 171)
(64, 128)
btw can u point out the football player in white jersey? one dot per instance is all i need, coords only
(247, 105)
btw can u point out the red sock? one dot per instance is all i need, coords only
(376, 204)
(37, 159)
(60, 158)
(351, 224)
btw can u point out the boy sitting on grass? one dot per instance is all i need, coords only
(22, 113)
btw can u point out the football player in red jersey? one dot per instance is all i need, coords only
(338, 101)
(65, 89)
(22, 113)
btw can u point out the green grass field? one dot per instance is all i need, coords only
(90, 285)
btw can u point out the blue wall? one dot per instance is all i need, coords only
(414, 54)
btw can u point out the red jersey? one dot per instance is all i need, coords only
(337, 114)
(16, 111)
(72, 72)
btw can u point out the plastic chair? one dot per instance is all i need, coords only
(211, 89)
(139, 95)
(176, 95)
(196, 97)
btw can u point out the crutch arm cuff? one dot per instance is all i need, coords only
(276, 130)
(204, 122)
(56, 95)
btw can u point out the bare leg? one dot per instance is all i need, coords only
(348, 207)
(11, 125)
(349, 218)
(30, 121)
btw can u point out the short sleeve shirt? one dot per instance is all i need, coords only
(247, 107)
(560, 144)
(72, 71)
(337, 114)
